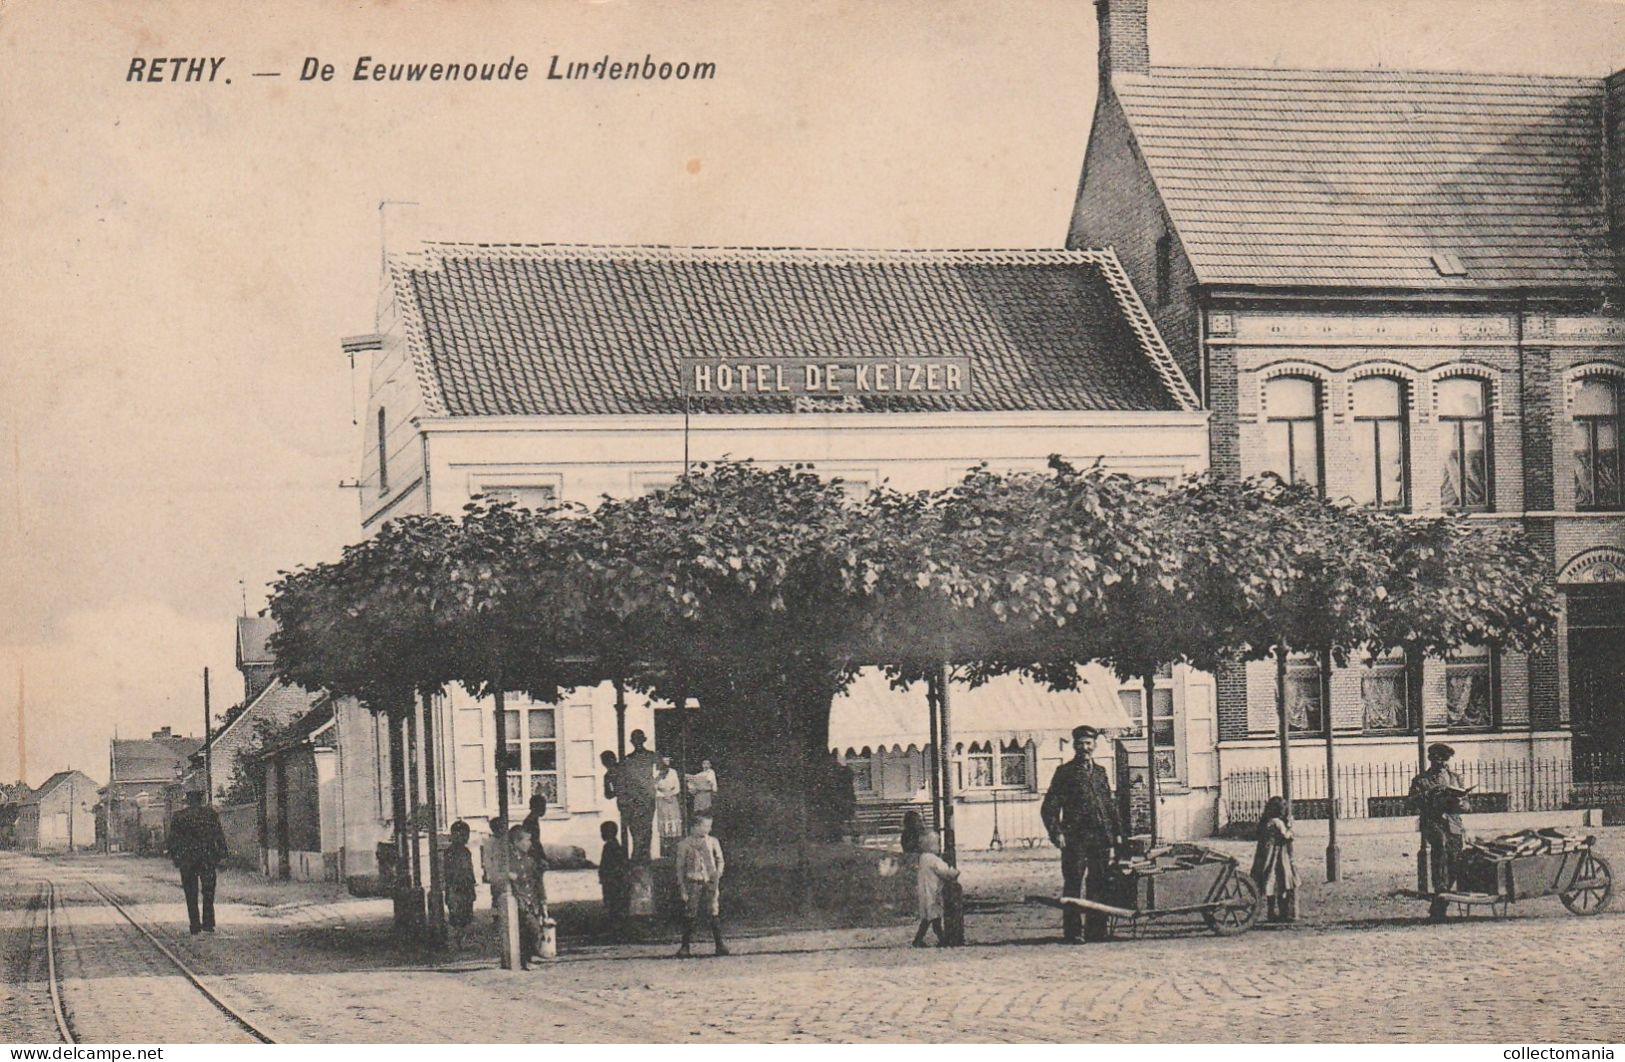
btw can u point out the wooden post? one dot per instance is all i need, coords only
(936, 753)
(1151, 752)
(953, 921)
(1289, 903)
(437, 905)
(1413, 693)
(1332, 851)
(620, 755)
(413, 800)
(683, 752)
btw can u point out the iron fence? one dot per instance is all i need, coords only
(1379, 790)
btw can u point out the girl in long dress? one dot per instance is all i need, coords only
(702, 788)
(668, 803)
(1273, 871)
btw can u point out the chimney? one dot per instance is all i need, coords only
(1124, 48)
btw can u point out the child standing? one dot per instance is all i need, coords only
(613, 871)
(460, 884)
(523, 880)
(1273, 871)
(699, 879)
(933, 873)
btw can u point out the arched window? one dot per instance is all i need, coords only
(1464, 444)
(1597, 426)
(1292, 430)
(1381, 443)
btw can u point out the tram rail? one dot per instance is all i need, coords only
(64, 1025)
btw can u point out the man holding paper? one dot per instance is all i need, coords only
(1438, 797)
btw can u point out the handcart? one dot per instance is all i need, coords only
(1525, 866)
(1179, 879)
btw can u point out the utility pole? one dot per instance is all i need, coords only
(110, 812)
(208, 744)
(22, 746)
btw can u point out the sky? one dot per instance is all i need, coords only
(178, 262)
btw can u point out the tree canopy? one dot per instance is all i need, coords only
(738, 569)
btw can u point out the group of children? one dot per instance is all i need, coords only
(514, 863)
(520, 867)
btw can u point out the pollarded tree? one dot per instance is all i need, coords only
(367, 626)
(738, 586)
(1453, 582)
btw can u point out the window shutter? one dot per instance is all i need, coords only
(580, 769)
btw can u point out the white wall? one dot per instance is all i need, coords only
(585, 458)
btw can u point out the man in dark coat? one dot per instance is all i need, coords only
(635, 796)
(1081, 818)
(197, 845)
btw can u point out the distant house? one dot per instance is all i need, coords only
(301, 826)
(60, 814)
(268, 706)
(12, 798)
(145, 788)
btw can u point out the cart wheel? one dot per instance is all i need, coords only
(1236, 908)
(1598, 894)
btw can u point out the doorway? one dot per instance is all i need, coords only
(1596, 623)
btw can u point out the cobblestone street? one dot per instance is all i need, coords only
(329, 971)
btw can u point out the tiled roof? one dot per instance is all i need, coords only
(55, 781)
(1323, 177)
(556, 329)
(253, 640)
(151, 758)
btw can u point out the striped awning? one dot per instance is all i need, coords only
(872, 715)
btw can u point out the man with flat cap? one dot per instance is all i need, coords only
(1437, 795)
(1081, 818)
(197, 845)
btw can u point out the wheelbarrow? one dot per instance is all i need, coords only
(1489, 875)
(1181, 880)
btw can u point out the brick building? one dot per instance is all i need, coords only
(144, 788)
(1401, 287)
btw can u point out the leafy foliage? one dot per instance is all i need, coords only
(761, 592)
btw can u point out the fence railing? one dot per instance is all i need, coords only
(1379, 790)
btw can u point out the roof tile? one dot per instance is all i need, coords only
(559, 329)
(1327, 177)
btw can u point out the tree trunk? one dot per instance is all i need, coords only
(770, 744)
(398, 809)
(1332, 851)
(500, 757)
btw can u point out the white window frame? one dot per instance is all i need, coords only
(1166, 681)
(520, 779)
